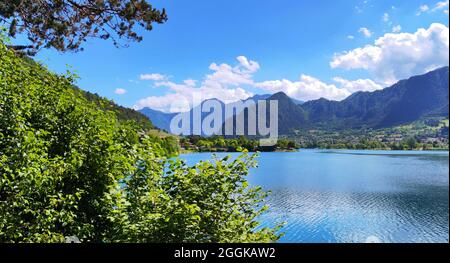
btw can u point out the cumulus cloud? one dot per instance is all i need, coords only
(153, 76)
(307, 88)
(310, 88)
(250, 66)
(225, 74)
(386, 17)
(365, 31)
(350, 37)
(224, 83)
(357, 85)
(184, 97)
(396, 56)
(120, 91)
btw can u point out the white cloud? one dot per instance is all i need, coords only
(172, 102)
(396, 29)
(442, 5)
(120, 91)
(153, 76)
(422, 9)
(396, 56)
(307, 88)
(365, 31)
(350, 37)
(224, 74)
(224, 83)
(251, 66)
(385, 17)
(182, 99)
(357, 85)
(310, 88)
(190, 82)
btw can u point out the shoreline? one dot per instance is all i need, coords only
(330, 149)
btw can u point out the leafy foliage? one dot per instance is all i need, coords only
(68, 168)
(122, 113)
(210, 202)
(66, 24)
(221, 144)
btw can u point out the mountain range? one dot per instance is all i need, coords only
(404, 102)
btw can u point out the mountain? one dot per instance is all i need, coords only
(162, 119)
(158, 118)
(298, 102)
(404, 102)
(290, 114)
(257, 97)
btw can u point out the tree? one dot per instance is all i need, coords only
(66, 24)
(411, 143)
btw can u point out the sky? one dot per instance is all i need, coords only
(231, 50)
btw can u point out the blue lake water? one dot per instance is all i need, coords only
(354, 196)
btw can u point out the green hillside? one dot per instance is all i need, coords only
(123, 114)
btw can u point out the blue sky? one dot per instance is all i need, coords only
(292, 46)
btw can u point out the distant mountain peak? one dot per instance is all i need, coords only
(280, 96)
(258, 97)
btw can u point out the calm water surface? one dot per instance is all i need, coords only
(354, 196)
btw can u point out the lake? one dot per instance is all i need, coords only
(354, 196)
